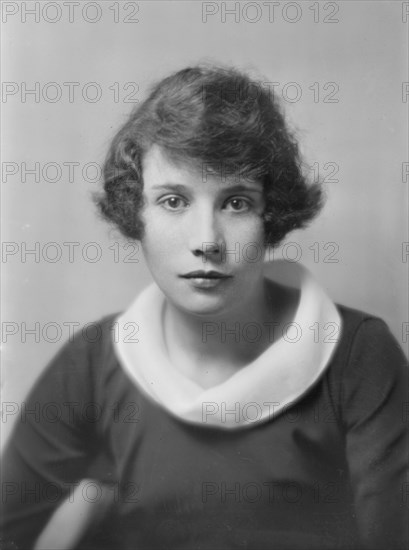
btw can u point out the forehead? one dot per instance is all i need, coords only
(159, 168)
(157, 165)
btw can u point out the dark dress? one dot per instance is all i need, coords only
(329, 472)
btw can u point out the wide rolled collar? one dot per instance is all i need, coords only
(256, 393)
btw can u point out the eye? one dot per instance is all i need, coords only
(237, 204)
(173, 203)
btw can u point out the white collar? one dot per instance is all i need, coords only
(258, 392)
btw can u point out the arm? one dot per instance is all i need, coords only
(73, 517)
(51, 447)
(374, 398)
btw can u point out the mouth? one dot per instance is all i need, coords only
(206, 275)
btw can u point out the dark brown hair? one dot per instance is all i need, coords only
(210, 116)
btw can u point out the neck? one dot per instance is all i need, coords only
(234, 338)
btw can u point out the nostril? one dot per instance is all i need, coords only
(210, 248)
(207, 248)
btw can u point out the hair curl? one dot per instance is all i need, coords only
(213, 116)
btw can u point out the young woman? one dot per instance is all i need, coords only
(209, 415)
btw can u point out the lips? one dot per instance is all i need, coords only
(206, 275)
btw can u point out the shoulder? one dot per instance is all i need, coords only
(95, 338)
(369, 368)
(371, 392)
(91, 340)
(364, 333)
(353, 318)
(84, 360)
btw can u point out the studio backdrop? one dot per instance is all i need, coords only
(73, 71)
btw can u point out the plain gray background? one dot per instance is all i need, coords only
(359, 47)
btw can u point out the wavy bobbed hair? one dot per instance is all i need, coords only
(213, 117)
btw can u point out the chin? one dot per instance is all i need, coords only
(202, 306)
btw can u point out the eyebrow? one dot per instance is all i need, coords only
(169, 187)
(239, 187)
(180, 188)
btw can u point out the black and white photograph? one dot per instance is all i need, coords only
(205, 253)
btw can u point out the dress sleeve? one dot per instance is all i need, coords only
(51, 447)
(374, 399)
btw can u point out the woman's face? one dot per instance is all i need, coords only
(204, 237)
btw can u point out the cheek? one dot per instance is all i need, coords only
(250, 230)
(151, 241)
(246, 243)
(159, 243)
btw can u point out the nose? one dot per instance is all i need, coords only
(205, 234)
